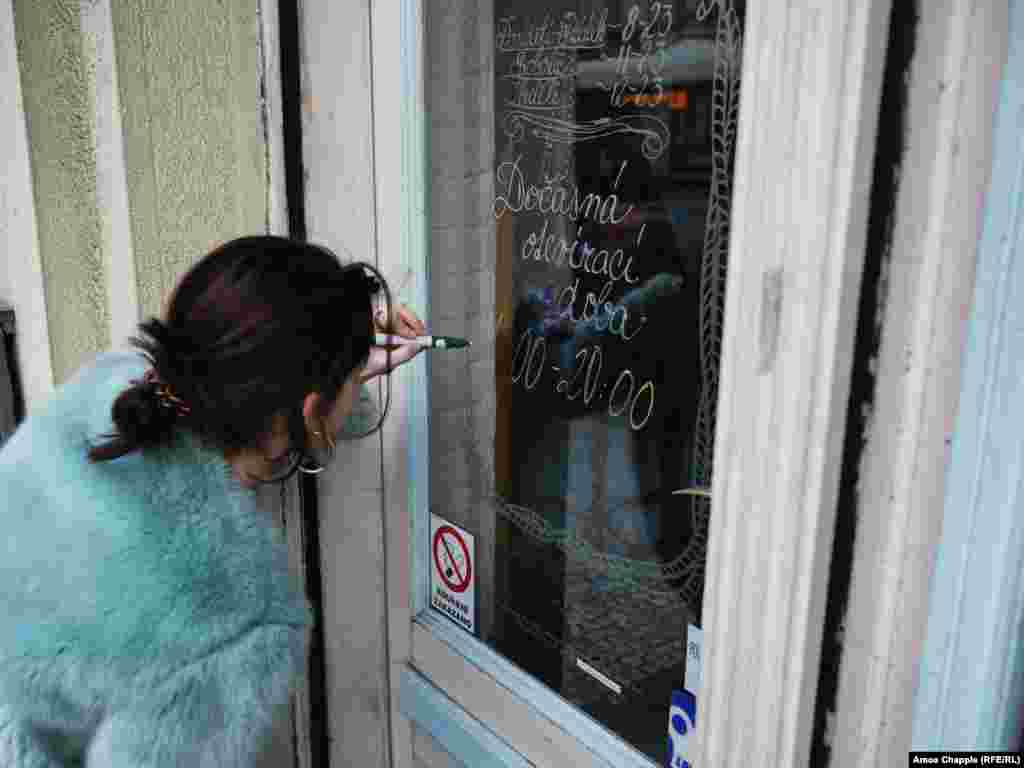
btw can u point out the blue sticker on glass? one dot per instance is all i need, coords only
(682, 719)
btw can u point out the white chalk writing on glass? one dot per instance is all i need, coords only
(629, 68)
(622, 396)
(545, 56)
(550, 129)
(517, 193)
(573, 31)
(541, 245)
(642, 56)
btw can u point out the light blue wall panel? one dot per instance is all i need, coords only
(972, 671)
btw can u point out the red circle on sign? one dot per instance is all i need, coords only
(462, 583)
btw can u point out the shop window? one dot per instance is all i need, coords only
(579, 185)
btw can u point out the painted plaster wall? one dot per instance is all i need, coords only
(55, 75)
(147, 141)
(190, 136)
(188, 72)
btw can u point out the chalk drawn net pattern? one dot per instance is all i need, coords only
(714, 263)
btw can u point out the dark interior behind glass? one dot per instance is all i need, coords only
(591, 236)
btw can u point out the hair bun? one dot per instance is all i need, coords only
(139, 414)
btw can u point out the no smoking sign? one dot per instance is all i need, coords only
(451, 572)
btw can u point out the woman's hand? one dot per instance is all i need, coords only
(402, 322)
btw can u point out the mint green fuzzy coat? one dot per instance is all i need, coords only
(148, 616)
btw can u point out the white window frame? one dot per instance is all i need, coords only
(803, 171)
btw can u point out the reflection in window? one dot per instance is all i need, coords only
(580, 173)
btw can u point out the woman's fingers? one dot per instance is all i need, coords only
(403, 322)
(408, 325)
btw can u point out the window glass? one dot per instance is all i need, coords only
(580, 166)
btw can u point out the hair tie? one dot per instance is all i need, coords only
(165, 396)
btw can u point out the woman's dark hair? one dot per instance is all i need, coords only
(255, 326)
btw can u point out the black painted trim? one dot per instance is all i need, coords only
(889, 150)
(295, 185)
(318, 712)
(291, 102)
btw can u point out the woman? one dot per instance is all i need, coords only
(147, 612)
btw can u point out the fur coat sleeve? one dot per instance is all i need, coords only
(148, 615)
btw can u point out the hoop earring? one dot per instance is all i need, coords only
(331, 445)
(315, 467)
(326, 437)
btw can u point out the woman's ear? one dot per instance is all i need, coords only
(311, 411)
(165, 309)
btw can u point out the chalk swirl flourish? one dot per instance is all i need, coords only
(551, 129)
